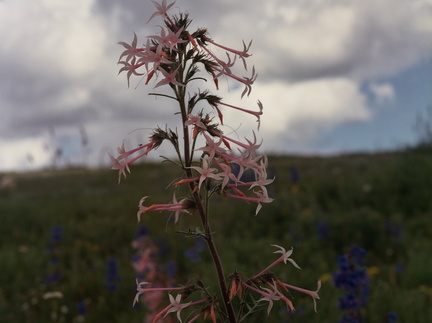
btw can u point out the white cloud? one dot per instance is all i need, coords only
(297, 40)
(300, 111)
(25, 154)
(51, 37)
(383, 92)
(317, 62)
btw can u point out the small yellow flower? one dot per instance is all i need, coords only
(325, 277)
(372, 271)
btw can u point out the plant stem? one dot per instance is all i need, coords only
(216, 259)
(203, 214)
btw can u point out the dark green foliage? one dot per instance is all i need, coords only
(380, 202)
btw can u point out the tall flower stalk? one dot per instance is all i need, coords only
(180, 60)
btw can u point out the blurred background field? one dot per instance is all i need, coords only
(66, 237)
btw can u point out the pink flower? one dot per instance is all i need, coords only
(121, 166)
(313, 294)
(245, 161)
(206, 172)
(141, 290)
(176, 306)
(153, 55)
(262, 198)
(131, 50)
(176, 207)
(250, 148)
(262, 181)
(226, 66)
(170, 78)
(226, 173)
(267, 295)
(178, 210)
(131, 68)
(124, 165)
(162, 9)
(242, 54)
(247, 81)
(272, 295)
(169, 40)
(284, 257)
(195, 120)
(212, 148)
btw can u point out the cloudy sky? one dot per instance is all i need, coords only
(334, 76)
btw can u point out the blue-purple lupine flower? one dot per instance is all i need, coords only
(81, 308)
(53, 278)
(399, 268)
(395, 230)
(391, 317)
(193, 253)
(141, 232)
(52, 250)
(295, 175)
(112, 276)
(171, 268)
(352, 277)
(348, 319)
(323, 230)
(56, 234)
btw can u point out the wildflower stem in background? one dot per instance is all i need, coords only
(173, 59)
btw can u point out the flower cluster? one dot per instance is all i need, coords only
(173, 58)
(274, 287)
(147, 266)
(159, 56)
(212, 162)
(352, 277)
(265, 284)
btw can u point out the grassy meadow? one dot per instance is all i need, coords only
(70, 231)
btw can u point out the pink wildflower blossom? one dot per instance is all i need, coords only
(286, 255)
(122, 162)
(206, 172)
(283, 258)
(130, 68)
(249, 148)
(131, 50)
(247, 81)
(170, 78)
(212, 147)
(226, 66)
(153, 55)
(242, 54)
(262, 181)
(267, 295)
(313, 294)
(174, 207)
(169, 40)
(195, 120)
(226, 174)
(255, 113)
(176, 306)
(162, 10)
(262, 198)
(141, 289)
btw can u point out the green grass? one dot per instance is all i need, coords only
(357, 196)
